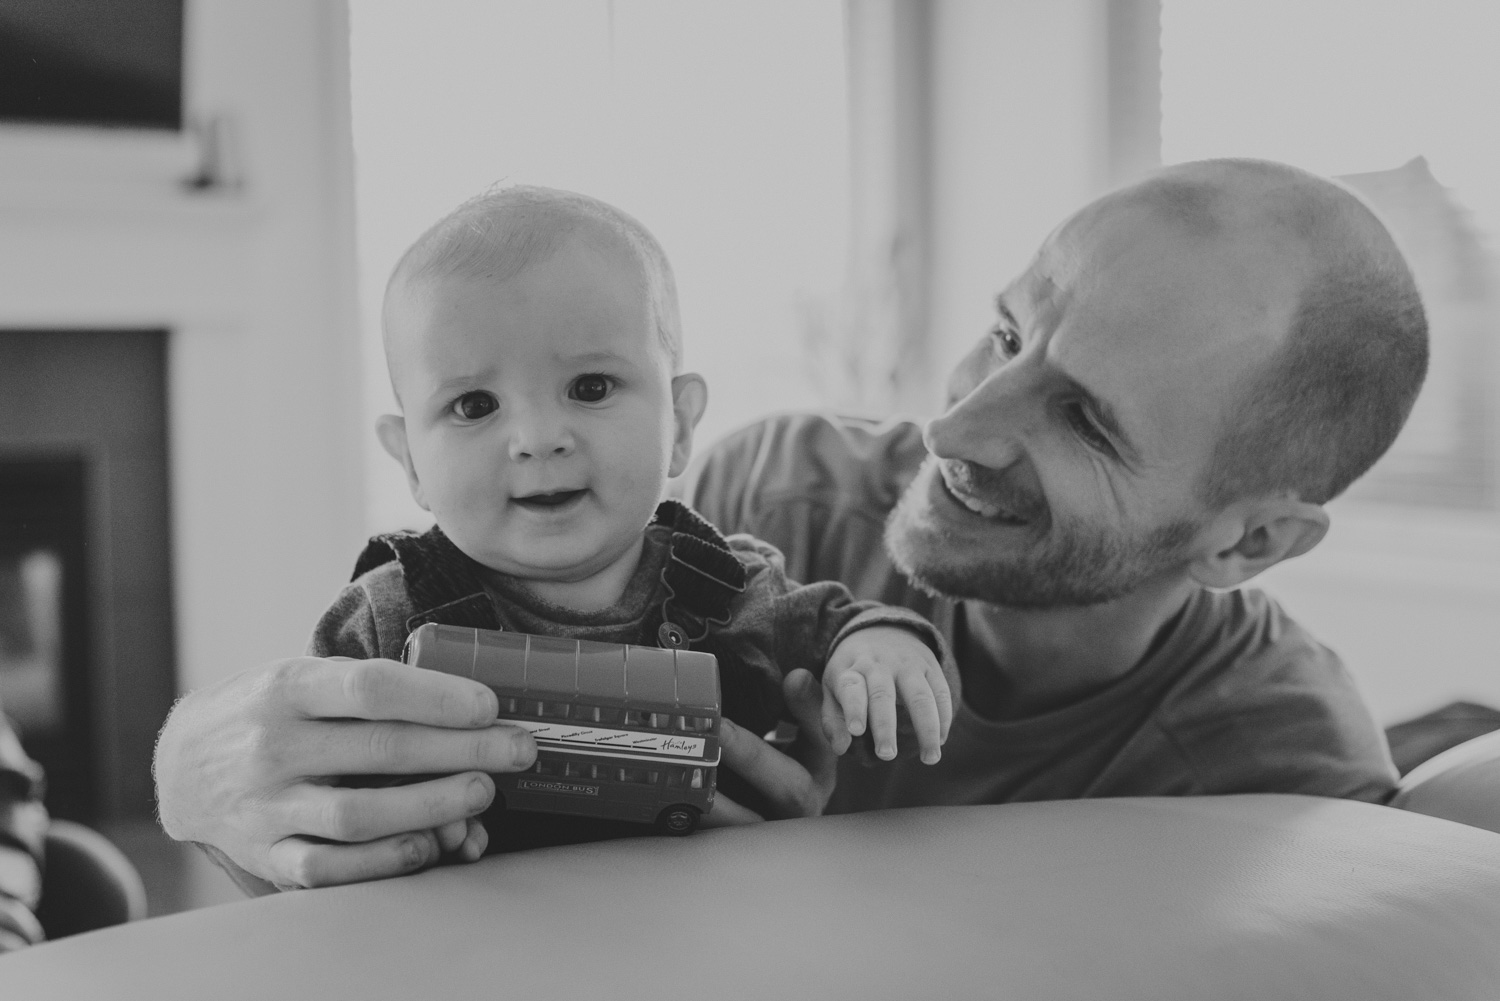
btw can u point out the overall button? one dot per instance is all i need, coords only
(671, 636)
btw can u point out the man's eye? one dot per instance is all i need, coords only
(589, 388)
(1085, 428)
(475, 406)
(1008, 341)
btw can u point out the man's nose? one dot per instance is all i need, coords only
(539, 432)
(987, 426)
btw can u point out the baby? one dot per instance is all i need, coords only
(534, 348)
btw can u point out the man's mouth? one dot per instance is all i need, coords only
(964, 483)
(550, 500)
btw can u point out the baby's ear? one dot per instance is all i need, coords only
(689, 400)
(391, 430)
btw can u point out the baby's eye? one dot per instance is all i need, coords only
(475, 406)
(590, 388)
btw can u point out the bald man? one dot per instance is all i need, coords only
(1189, 370)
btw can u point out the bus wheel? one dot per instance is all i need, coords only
(678, 820)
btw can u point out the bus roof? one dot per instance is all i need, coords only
(521, 664)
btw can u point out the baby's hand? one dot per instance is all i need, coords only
(867, 672)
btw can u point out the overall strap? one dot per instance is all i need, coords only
(702, 577)
(442, 583)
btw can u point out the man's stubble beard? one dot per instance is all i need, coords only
(1075, 567)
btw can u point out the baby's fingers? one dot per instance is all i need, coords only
(923, 705)
(882, 714)
(849, 691)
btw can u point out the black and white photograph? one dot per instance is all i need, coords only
(750, 499)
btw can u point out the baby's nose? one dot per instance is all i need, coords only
(539, 437)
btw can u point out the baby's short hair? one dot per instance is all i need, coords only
(496, 235)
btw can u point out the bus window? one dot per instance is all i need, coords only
(586, 714)
(697, 782)
(578, 770)
(607, 716)
(507, 705)
(558, 709)
(637, 775)
(634, 717)
(676, 778)
(549, 766)
(697, 724)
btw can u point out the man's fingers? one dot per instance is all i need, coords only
(476, 840)
(301, 862)
(352, 815)
(360, 747)
(835, 725)
(451, 836)
(922, 707)
(804, 699)
(727, 813)
(785, 783)
(382, 689)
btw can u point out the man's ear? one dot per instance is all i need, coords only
(1256, 535)
(391, 430)
(689, 400)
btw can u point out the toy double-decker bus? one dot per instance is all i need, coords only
(623, 732)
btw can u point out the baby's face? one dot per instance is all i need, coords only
(539, 417)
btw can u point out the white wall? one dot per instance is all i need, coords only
(257, 290)
(1019, 143)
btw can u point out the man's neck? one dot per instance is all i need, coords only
(1025, 662)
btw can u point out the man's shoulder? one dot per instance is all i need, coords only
(1260, 704)
(818, 488)
(848, 462)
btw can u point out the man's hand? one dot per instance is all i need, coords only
(249, 766)
(872, 670)
(797, 786)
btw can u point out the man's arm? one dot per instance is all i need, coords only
(248, 766)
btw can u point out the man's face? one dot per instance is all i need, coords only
(1065, 468)
(539, 417)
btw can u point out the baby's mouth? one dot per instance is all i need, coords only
(549, 500)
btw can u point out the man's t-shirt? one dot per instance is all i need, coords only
(1234, 696)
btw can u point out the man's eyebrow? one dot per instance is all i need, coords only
(1004, 310)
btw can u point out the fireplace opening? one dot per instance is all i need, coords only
(44, 627)
(87, 652)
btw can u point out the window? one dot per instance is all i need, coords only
(1395, 99)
